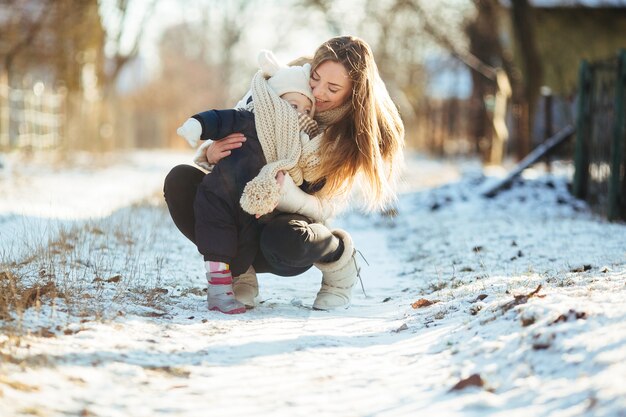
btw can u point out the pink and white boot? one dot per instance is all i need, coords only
(220, 295)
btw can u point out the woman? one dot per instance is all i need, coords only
(363, 137)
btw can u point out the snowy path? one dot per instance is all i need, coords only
(561, 353)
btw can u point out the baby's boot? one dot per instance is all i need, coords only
(246, 287)
(220, 295)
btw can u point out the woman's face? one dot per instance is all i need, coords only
(331, 85)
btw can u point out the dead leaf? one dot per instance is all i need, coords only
(480, 297)
(153, 314)
(475, 309)
(77, 380)
(33, 411)
(19, 386)
(571, 315)
(583, 268)
(543, 341)
(520, 299)
(422, 302)
(471, 381)
(170, 370)
(44, 332)
(68, 332)
(114, 279)
(31, 296)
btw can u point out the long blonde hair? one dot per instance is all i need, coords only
(368, 141)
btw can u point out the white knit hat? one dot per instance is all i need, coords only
(284, 79)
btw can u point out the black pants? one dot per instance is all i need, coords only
(287, 244)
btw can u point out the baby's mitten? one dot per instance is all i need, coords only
(191, 131)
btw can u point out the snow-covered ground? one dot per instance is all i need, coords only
(518, 299)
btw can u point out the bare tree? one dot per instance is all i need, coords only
(201, 68)
(326, 8)
(58, 37)
(483, 32)
(521, 16)
(116, 16)
(17, 34)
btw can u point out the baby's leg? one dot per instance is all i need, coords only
(224, 232)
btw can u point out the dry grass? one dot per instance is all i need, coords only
(88, 271)
(16, 297)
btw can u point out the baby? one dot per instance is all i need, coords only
(243, 170)
(289, 83)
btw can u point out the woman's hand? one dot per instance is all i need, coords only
(294, 200)
(280, 178)
(221, 148)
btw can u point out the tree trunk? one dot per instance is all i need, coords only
(522, 18)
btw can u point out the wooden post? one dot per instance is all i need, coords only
(547, 121)
(4, 110)
(583, 129)
(617, 197)
(501, 133)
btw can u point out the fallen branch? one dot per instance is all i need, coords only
(539, 152)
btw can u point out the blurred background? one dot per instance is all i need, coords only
(486, 78)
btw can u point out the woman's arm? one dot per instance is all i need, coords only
(209, 152)
(294, 200)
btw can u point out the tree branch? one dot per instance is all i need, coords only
(33, 30)
(465, 57)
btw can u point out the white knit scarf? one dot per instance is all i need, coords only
(284, 146)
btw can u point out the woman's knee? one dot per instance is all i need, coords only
(181, 177)
(291, 240)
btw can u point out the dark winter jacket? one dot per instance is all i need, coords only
(217, 124)
(224, 231)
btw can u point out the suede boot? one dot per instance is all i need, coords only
(338, 277)
(246, 287)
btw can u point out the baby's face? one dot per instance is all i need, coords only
(300, 102)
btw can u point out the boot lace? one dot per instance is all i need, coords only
(358, 270)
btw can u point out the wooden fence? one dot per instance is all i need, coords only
(600, 155)
(38, 117)
(440, 127)
(31, 117)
